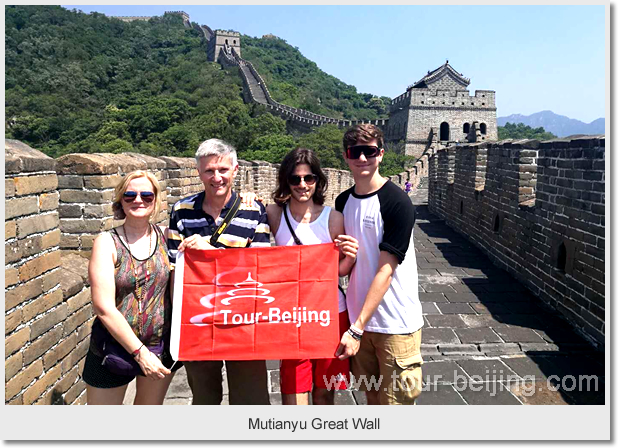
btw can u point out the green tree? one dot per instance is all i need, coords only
(326, 141)
(394, 163)
(269, 148)
(521, 131)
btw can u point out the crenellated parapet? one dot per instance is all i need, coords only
(537, 209)
(185, 17)
(133, 18)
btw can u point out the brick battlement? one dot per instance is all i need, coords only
(184, 15)
(537, 209)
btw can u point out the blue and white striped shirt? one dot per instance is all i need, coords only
(249, 228)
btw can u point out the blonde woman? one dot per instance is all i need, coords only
(129, 274)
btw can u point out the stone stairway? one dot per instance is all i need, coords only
(256, 88)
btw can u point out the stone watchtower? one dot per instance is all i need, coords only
(220, 39)
(439, 107)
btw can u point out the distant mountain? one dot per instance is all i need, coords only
(556, 124)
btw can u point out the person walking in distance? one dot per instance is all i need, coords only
(382, 297)
(408, 187)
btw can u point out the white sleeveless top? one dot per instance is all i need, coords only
(315, 232)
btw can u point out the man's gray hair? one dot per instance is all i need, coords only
(216, 147)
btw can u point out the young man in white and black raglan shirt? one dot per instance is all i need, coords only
(384, 339)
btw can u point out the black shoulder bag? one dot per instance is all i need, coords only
(228, 217)
(297, 240)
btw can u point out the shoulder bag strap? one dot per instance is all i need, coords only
(285, 213)
(228, 217)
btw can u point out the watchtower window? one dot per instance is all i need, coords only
(234, 41)
(444, 131)
(226, 42)
(466, 128)
(483, 128)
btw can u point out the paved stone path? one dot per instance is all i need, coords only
(485, 341)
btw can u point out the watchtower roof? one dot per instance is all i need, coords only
(440, 72)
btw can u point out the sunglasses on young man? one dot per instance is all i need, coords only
(147, 196)
(309, 179)
(354, 152)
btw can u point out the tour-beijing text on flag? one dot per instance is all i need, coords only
(256, 303)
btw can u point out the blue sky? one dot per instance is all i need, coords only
(535, 57)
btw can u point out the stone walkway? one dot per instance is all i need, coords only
(485, 341)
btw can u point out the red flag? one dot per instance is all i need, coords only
(256, 303)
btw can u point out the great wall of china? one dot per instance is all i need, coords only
(537, 209)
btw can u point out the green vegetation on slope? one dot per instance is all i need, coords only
(521, 131)
(296, 81)
(80, 82)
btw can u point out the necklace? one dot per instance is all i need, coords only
(140, 287)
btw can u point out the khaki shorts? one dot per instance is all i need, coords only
(390, 363)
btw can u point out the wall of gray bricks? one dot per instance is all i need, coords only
(537, 209)
(47, 309)
(54, 209)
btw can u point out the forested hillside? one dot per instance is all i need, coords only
(296, 81)
(80, 82)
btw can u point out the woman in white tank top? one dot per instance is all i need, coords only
(301, 187)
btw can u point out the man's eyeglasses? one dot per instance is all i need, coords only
(309, 179)
(354, 152)
(147, 196)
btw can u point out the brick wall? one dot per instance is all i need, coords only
(86, 185)
(537, 209)
(43, 329)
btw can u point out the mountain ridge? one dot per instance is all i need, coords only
(560, 125)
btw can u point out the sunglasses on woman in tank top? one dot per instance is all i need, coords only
(130, 196)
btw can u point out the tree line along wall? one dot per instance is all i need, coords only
(54, 209)
(537, 209)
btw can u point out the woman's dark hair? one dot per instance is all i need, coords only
(295, 157)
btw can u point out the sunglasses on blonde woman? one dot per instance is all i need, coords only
(147, 196)
(309, 179)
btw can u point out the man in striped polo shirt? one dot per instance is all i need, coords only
(193, 221)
